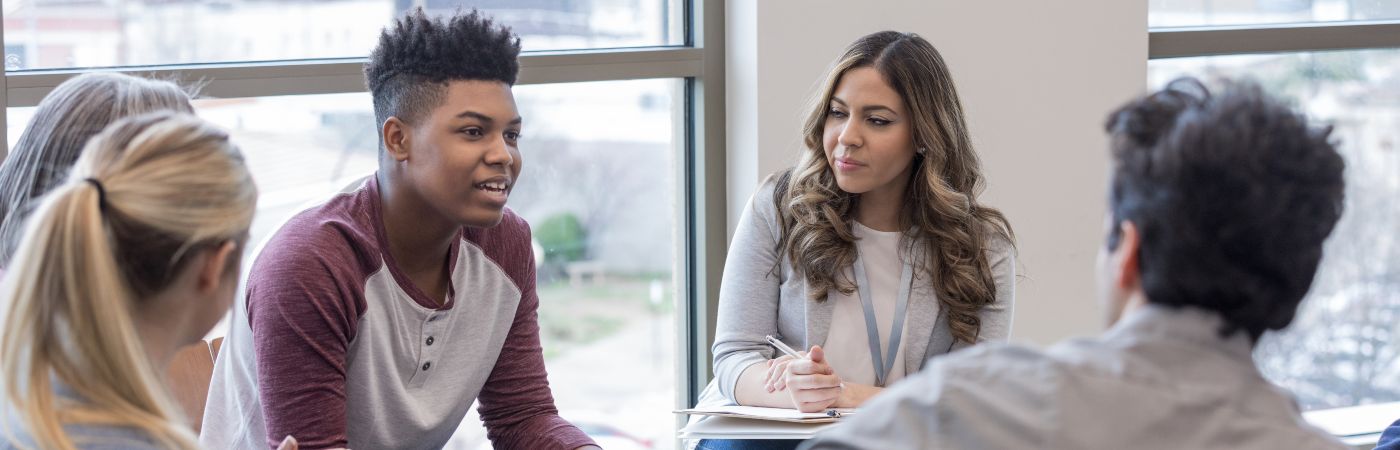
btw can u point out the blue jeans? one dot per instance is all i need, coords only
(1390, 440)
(748, 444)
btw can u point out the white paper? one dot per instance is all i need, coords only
(758, 412)
(736, 428)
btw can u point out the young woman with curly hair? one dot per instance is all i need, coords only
(873, 252)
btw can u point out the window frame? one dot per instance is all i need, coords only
(698, 61)
(1230, 40)
(1185, 42)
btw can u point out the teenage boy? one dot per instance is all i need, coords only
(1218, 209)
(375, 319)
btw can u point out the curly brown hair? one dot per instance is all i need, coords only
(942, 215)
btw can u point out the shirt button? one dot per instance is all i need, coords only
(427, 365)
(430, 340)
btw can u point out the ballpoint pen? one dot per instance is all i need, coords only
(793, 353)
(781, 346)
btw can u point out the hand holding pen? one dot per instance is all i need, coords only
(810, 381)
(777, 367)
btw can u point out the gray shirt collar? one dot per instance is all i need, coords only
(1185, 325)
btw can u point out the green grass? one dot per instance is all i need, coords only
(570, 317)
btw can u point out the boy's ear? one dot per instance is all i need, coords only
(396, 138)
(1126, 256)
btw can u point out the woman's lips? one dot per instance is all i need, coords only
(847, 164)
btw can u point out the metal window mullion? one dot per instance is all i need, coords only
(346, 75)
(703, 201)
(4, 94)
(709, 224)
(1213, 41)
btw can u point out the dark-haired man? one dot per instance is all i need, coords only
(375, 319)
(1215, 230)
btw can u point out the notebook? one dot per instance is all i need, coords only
(718, 427)
(774, 414)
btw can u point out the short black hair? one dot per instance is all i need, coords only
(1233, 195)
(417, 55)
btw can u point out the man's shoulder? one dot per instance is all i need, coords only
(999, 374)
(997, 357)
(988, 395)
(335, 231)
(329, 247)
(995, 373)
(1044, 371)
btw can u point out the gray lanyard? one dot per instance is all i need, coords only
(883, 366)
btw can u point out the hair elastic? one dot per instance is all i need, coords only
(101, 193)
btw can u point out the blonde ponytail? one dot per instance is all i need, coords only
(144, 193)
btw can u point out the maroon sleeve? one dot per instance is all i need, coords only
(516, 404)
(304, 300)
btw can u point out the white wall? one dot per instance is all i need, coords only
(1037, 79)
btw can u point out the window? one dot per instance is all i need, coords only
(622, 179)
(1342, 350)
(1190, 13)
(49, 34)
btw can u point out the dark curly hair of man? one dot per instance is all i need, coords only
(1233, 195)
(418, 55)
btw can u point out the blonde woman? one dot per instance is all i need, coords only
(133, 256)
(74, 112)
(872, 253)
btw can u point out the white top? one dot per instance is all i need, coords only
(848, 343)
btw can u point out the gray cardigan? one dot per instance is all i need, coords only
(754, 303)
